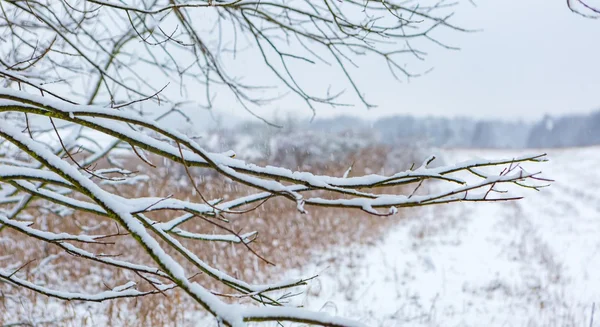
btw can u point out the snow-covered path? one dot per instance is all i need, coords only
(534, 262)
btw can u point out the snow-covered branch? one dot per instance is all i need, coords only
(76, 99)
(54, 177)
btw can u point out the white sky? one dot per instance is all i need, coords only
(532, 57)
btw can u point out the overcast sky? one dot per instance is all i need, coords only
(532, 57)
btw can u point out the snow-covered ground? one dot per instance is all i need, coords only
(533, 262)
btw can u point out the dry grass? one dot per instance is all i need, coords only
(286, 237)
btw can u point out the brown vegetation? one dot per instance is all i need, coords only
(285, 237)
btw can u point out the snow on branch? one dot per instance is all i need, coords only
(124, 291)
(55, 177)
(76, 96)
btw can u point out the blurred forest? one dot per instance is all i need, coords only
(417, 132)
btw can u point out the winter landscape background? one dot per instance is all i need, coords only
(143, 181)
(530, 262)
(525, 263)
(569, 130)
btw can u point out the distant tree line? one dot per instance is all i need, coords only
(548, 132)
